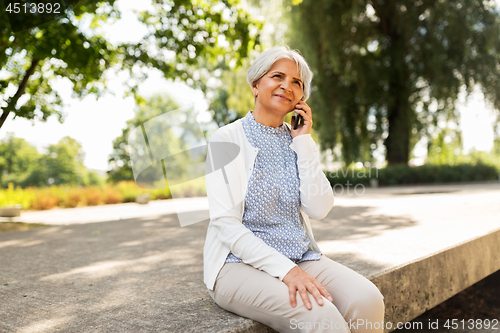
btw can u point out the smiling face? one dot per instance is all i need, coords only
(282, 79)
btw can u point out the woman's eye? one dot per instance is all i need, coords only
(276, 75)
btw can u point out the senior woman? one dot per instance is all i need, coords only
(264, 182)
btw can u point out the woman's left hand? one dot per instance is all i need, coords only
(305, 125)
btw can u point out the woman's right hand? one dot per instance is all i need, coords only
(297, 279)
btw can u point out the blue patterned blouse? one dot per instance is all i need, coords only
(272, 202)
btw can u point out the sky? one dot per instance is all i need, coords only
(96, 123)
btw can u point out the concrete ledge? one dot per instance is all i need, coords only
(416, 287)
(10, 211)
(425, 256)
(413, 288)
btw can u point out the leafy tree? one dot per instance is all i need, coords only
(496, 147)
(232, 98)
(63, 163)
(17, 160)
(183, 35)
(385, 71)
(119, 160)
(37, 178)
(446, 148)
(95, 179)
(157, 105)
(23, 165)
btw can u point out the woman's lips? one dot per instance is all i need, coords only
(282, 98)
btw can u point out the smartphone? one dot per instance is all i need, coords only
(298, 118)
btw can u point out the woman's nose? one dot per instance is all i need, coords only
(285, 86)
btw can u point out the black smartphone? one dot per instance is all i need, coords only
(298, 118)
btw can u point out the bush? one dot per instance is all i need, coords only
(93, 195)
(16, 196)
(129, 190)
(112, 196)
(425, 174)
(43, 198)
(74, 198)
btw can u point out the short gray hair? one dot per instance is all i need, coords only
(263, 63)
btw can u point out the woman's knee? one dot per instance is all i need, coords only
(321, 318)
(368, 303)
(375, 299)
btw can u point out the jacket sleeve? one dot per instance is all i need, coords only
(316, 193)
(224, 179)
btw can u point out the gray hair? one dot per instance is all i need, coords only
(266, 60)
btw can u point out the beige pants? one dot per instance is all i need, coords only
(357, 306)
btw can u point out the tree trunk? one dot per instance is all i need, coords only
(20, 91)
(397, 143)
(399, 111)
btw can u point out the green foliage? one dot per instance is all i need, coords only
(95, 179)
(445, 148)
(63, 162)
(479, 157)
(496, 147)
(18, 159)
(16, 196)
(425, 174)
(181, 43)
(394, 67)
(233, 99)
(66, 196)
(22, 165)
(170, 142)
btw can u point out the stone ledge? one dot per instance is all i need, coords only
(416, 287)
(413, 288)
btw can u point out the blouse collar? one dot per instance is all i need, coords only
(262, 128)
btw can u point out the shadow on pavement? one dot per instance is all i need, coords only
(141, 274)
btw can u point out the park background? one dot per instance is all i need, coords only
(112, 65)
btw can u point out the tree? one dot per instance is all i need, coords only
(496, 147)
(446, 148)
(23, 165)
(17, 160)
(388, 70)
(232, 98)
(63, 163)
(183, 35)
(119, 159)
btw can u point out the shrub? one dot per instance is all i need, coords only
(44, 200)
(129, 190)
(93, 195)
(74, 197)
(425, 174)
(16, 196)
(112, 196)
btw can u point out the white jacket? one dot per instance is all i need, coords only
(226, 190)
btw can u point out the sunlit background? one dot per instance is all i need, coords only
(96, 123)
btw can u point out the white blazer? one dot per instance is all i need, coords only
(226, 190)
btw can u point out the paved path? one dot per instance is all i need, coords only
(105, 213)
(143, 272)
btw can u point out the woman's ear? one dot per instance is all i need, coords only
(255, 88)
